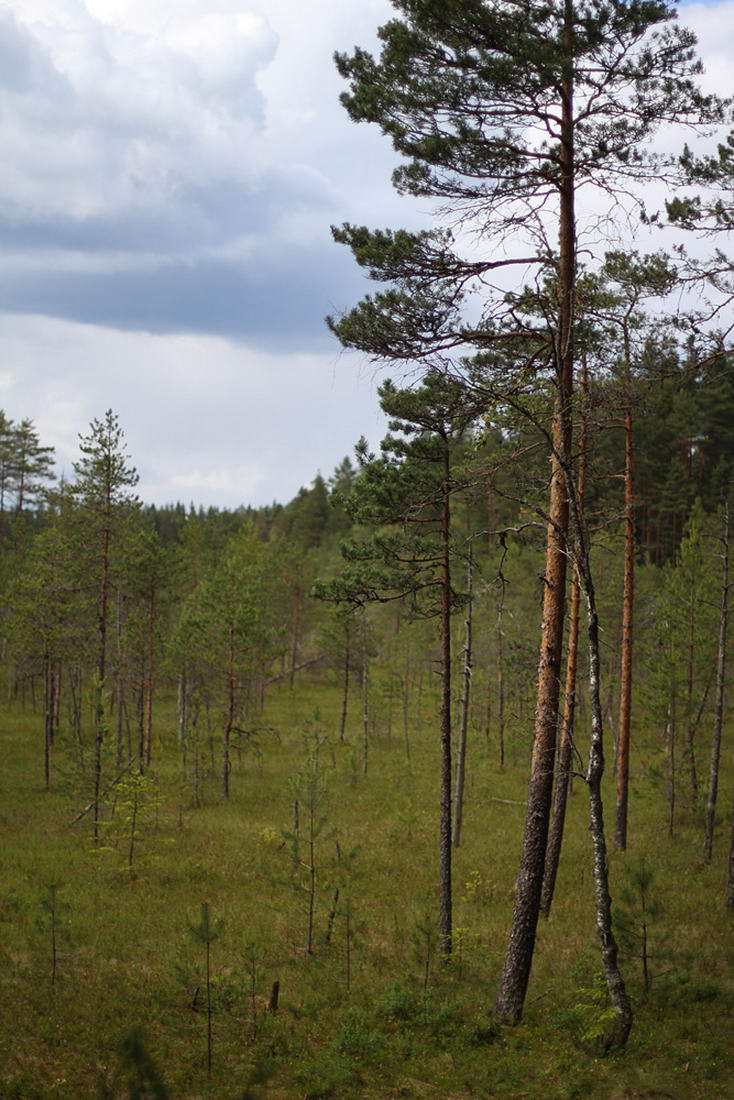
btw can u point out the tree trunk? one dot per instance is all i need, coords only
(182, 708)
(628, 594)
(345, 693)
(295, 638)
(365, 702)
(729, 897)
(618, 1033)
(670, 732)
(521, 943)
(464, 710)
(565, 748)
(690, 744)
(445, 919)
(720, 683)
(500, 679)
(48, 720)
(101, 664)
(150, 680)
(229, 721)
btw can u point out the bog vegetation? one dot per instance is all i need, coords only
(268, 829)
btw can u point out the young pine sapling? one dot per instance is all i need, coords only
(207, 932)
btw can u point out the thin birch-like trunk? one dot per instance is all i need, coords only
(618, 1033)
(719, 701)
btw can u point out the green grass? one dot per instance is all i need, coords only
(128, 959)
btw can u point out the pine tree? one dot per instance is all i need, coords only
(406, 493)
(504, 111)
(104, 478)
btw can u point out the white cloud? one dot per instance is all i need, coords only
(204, 418)
(103, 122)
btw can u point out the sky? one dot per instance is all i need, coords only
(171, 170)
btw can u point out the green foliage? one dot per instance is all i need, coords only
(398, 498)
(590, 1018)
(423, 942)
(637, 913)
(136, 815)
(207, 931)
(357, 1037)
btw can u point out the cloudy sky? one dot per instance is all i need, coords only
(170, 172)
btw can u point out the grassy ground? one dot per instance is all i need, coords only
(127, 958)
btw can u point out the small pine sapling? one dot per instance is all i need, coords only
(423, 939)
(638, 909)
(309, 788)
(207, 932)
(252, 956)
(137, 806)
(349, 874)
(51, 921)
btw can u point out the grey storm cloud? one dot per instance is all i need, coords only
(193, 216)
(274, 300)
(143, 193)
(25, 66)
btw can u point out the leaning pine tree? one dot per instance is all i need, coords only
(504, 111)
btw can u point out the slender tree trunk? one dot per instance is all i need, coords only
(119, 721)
(101, 663)
(311, 877)
(500, 679)
(444, 878)
(119, 695)
(521, 942)
(729, 897)
(150, 680)
(229, 721)
(464, 709)
(208, 1011)
(628, 595)
(48, 720)
(720, 683)
(618, 1033)
(56, 716)
(182, 708)
(690, 744)
(670, 732)
(295, 639)
(565, 748)
(140, 717)
(345, 693)
(365, 703)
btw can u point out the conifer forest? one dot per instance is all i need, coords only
(420, 784)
